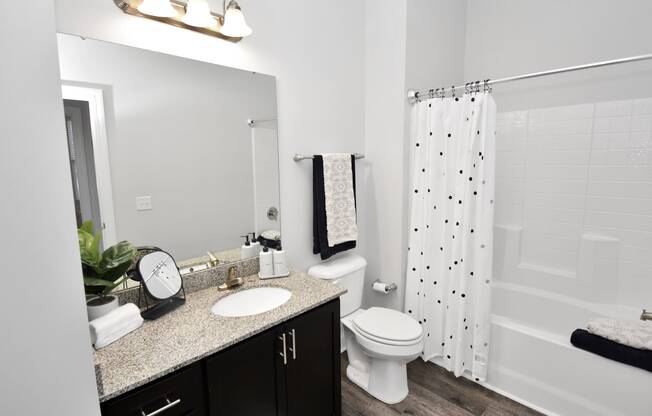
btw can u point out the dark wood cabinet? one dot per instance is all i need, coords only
(179, 394)
(292, 369)
(313, 366)
(242, 380)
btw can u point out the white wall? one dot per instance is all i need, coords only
(177, 132)
(264, 144)
(510, 37)
(45, 353)
(436, 33)
(411, 52)
(315, 49)
(570, 161)
(582, 165)
(382, 217)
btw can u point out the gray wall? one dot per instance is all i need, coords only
(511, 37)
(45, 353)
(177, 132)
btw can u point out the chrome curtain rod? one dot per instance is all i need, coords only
(297, 157)
(414, 96)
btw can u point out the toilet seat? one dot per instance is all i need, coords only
(380, 343)
(388, 327)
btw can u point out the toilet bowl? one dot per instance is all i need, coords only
(379, 350)
(379, 341)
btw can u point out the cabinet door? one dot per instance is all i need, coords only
(313, 369)
(179, 394)
(242, 379)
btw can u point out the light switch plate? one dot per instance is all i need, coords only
(143, 203)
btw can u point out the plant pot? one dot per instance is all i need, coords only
(99, 306)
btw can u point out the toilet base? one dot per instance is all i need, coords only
(385, 380)
(379, 369)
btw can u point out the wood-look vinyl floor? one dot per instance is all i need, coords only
(433, 392)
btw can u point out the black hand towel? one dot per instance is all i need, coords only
(319, 231)
(612, 350)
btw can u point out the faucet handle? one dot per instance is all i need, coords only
(231, 272)
(212, 260)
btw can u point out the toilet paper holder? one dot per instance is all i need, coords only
(388, 287)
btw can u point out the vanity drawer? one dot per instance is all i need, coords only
(179, 394)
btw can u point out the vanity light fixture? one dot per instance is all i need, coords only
(158, 8)
(198, 14)
(193, 15)
(234, 21)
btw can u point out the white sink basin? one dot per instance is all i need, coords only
(251, 301)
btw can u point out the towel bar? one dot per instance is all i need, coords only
(297, 157)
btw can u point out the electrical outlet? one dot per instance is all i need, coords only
(143, 203)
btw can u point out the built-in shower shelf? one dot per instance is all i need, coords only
(547, 270)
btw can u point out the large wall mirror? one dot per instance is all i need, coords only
(162, 153)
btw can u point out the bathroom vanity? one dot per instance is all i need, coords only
(282, 362)
(183, 156)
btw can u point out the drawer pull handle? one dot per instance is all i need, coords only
(284, 354)
(294, 345)
(162, 409)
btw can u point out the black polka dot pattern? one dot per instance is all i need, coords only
(451, 191)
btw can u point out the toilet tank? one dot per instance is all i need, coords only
(348, 272)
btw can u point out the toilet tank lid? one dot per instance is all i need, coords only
(338, 267)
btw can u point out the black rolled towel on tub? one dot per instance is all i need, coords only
(612, 350)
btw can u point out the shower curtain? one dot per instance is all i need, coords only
(449, 262)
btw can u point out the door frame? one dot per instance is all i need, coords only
(95, 99)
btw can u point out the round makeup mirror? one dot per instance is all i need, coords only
(160, 275)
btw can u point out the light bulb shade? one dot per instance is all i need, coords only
(234, 22)
(158, 8)
(198, 14)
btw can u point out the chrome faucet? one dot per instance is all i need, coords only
(231, 280)
(646, 316)
(212, 260)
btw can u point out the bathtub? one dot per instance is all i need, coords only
(531, 357)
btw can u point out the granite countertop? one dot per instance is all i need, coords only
(192, 332)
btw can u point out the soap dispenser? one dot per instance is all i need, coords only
(280, 266)
(266, 263)
(255, 244)
(246, 251)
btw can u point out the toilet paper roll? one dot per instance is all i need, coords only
(381, 287)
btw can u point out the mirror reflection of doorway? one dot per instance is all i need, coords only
(89, 159)
(82, 163)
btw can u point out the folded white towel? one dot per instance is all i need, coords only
(636, 334)
(115, 325)
(339, 198)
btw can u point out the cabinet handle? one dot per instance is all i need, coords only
(162, 409)
(284, 354)
(294, 345)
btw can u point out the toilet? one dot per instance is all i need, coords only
(379, 341)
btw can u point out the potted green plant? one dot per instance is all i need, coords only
(103, 271)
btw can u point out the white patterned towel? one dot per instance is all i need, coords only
(339, 198)
(631, 333)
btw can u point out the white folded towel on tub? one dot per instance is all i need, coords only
(631, 333)
(115, 325)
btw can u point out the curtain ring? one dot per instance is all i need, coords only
(487, 87)
(477, 87)
(466, 88)
(453, 91)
